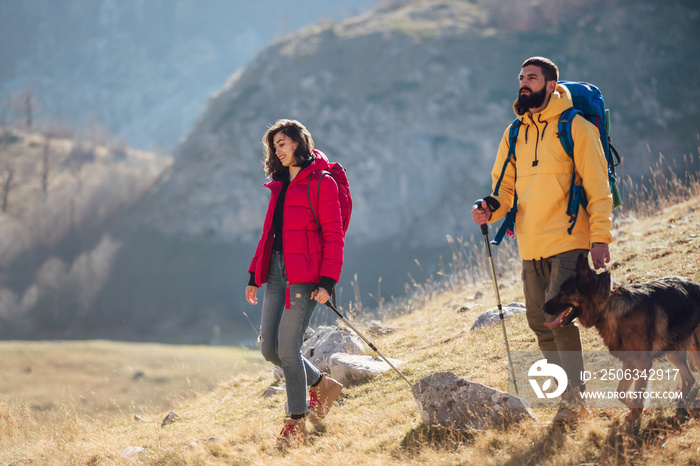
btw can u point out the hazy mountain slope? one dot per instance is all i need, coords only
(59, 197)
(142, 69)
(414, 101)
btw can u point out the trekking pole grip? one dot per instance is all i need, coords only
(485, 226)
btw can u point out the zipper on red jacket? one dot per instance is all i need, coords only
(287, 294)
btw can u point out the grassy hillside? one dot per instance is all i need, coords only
(378, 422)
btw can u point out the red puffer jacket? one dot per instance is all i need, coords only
(308, 252)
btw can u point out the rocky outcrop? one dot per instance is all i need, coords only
(413, 101)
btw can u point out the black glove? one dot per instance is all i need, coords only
(327, 283)
(491, 203)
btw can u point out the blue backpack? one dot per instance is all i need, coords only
(588, 102)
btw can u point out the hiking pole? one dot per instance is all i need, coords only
(369, 343)
(254, 329)
(485, 231)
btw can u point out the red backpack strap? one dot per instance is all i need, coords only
(318, 194)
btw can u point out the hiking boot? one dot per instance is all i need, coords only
(293, 434)
(571, 408)
(321, 398)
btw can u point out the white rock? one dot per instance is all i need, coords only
(131, 451)
(491, 316)
(326, 341)
(347, 368)
(273, 390)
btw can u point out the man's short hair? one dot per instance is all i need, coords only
(549, 69)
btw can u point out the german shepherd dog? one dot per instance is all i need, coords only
(638, 323)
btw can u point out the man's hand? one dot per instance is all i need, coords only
(600, 254)
(481, 213)
(321, 295)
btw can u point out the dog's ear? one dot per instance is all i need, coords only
(585, 276)
(582, 266)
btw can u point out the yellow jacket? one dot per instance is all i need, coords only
(543, 188)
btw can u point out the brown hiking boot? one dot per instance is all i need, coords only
(571, 408)
(321, 398)
(293, 434)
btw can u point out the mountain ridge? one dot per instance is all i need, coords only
(384, 94)
(413, 101)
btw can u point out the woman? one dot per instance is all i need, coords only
(300, 264)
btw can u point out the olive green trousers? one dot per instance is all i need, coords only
(542, 279)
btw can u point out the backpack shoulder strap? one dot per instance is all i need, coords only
(564, 129)
(512, 140)
(318, 193)
(508, 225)
(577, 196)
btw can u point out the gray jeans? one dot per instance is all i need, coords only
(282, 332)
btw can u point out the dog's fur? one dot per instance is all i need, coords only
(638, 322)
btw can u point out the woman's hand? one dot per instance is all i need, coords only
(251, 294)
(321, 295)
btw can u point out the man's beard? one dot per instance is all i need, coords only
(533, 100)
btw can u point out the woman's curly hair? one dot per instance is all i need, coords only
(295, 131)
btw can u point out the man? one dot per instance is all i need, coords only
(548, 251)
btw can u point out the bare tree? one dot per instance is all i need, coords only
(22, 106)
(7, 166)
(45, 166)
(28, 107)
(9, 170)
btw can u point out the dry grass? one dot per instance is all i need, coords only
(52, 394)
(105, 379)
(378, 422)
